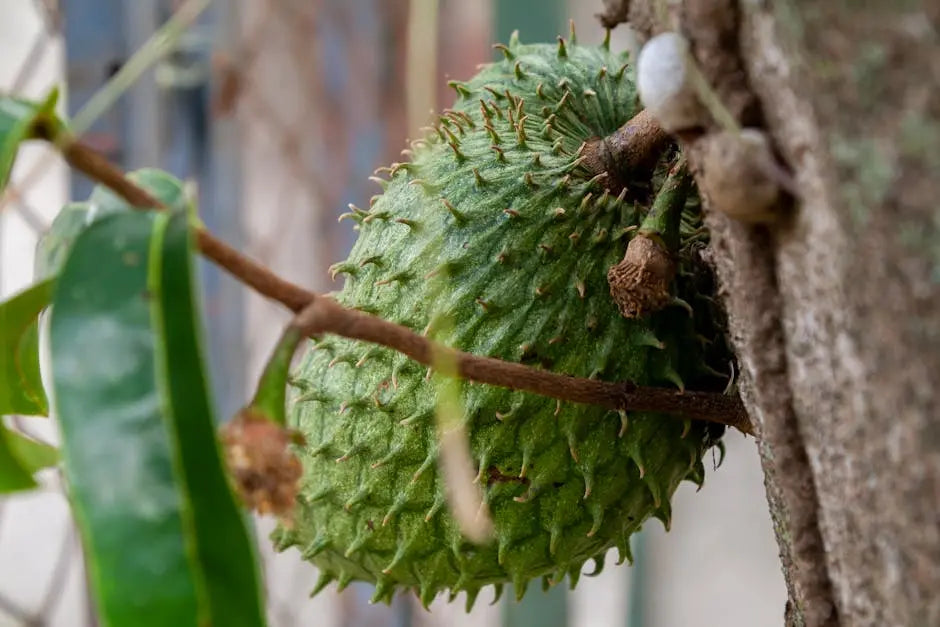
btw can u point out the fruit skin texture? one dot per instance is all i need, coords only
(494, 240)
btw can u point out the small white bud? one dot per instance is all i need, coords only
(665, 84)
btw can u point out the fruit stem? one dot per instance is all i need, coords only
(270, 399)
(628, 152)
(663, 220)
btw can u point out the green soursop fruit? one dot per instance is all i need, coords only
(494, 239)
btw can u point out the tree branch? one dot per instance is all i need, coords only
(327, 316)
(261, 279)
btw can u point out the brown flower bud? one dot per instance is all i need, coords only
(640, 283)
(265, 472)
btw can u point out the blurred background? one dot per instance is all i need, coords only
(277, 112)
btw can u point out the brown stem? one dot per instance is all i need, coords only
(629, 150)
(327, 316)
(253, 274)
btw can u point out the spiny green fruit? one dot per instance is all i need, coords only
(495, 240)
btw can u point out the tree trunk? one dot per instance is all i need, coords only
(834, 309)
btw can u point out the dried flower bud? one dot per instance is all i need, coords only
(265, 471)
(640, 283)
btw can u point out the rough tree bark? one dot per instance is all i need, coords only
(835, 308)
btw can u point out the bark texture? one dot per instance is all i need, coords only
(835, 308)
(851, 94)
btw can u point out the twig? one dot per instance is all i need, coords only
(330, 317)
(89, 162)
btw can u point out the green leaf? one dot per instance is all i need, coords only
(21, 390)
(165, 541)
(17, 124)
(20, 457)
(54, 245)
(32, 454)
(13, 475)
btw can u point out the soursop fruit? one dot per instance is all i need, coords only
(495, 239)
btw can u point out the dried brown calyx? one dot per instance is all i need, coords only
(265, 471)
(640, 284)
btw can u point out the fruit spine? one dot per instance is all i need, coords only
(496, 239)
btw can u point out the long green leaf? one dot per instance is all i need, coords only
(164, 539)
(226, 552)
(21, 390)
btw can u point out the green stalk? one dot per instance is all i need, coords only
(270, 400)
(663, 220)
